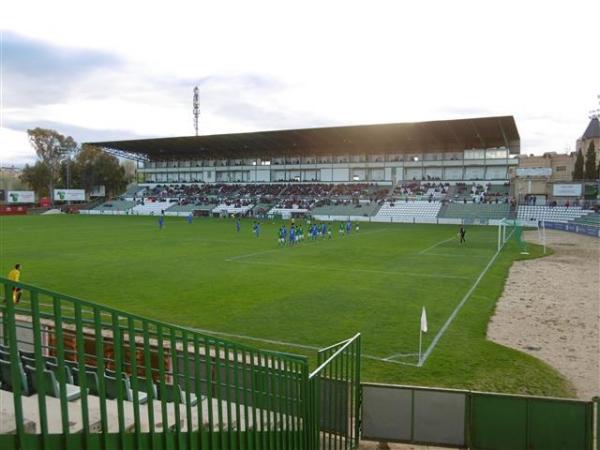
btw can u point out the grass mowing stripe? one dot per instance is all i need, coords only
(348, 270)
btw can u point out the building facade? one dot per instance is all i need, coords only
(591, 134)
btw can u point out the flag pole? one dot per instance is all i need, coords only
(420, 342)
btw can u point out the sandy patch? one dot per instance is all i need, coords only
(550, 308)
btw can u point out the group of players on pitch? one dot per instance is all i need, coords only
(315, 231)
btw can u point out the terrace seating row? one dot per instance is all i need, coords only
(360, 209)
(408, 210)
(29, 386)
(171, 394)
(591, 219)
(550, 213)
(475, 211)
(152, 208)
(115, 205)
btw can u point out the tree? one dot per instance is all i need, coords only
(578, 169)
(590, 162)
(93, 167)
(51, 148)
(37, 177)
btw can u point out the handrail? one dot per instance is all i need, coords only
(332, 357)
(124, 314)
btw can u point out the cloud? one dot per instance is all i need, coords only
(37, 73)
(16, 149)
(80, 134)
(275, 66)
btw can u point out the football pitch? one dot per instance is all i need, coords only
(207, 276)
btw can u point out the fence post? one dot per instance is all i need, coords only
(596, 401)
(10, 336)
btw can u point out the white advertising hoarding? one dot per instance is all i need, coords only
(98, 191)
(20, 197)
(69, 195)
(566, 190)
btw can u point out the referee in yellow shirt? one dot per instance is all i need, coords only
(14, 275)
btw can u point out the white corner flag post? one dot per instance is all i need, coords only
(422, 330)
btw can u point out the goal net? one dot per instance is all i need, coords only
(511, 229)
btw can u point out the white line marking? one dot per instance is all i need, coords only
(339, 269)
(389, 361)
(435, 245)
(455, 255)
(290, 344)
(251, 338)
(400, 355)
(440, 333)
(234, 258)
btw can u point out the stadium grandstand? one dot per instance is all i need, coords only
(452, 171)
(353, 171)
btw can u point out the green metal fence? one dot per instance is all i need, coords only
(335, 397)
(79, 375)
(477, 420)
(500, 421)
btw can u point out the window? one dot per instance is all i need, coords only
(561, 168)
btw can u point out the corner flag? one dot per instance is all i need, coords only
(424, 321)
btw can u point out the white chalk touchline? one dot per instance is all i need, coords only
(290, 344)
(400, 355)
(251, 338)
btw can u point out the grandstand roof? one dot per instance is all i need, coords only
(413, 137)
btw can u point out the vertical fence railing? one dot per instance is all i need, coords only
(80, 375)
(334, 397)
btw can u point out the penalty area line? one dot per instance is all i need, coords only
(435, 245)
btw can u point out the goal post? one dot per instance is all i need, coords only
(511, 228)
(541, 228)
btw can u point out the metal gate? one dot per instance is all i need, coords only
(334, 397)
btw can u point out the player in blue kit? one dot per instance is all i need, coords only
(292, 235)
(238, 225)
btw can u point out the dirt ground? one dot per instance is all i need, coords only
(550, 309)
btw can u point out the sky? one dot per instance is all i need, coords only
(126, 69)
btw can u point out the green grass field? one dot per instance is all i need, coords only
(208, 276)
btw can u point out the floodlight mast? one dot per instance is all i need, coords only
(196, 108)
